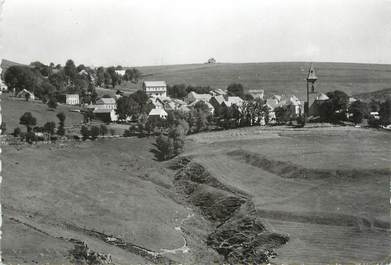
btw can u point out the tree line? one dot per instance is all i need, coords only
(51, 82)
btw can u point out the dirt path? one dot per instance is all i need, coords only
(185, 248)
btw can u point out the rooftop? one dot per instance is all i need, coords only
(105, 101)
(155, 83)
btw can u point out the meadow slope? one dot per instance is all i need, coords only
(276, 78)
(326, 188)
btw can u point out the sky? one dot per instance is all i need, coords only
(157, 32)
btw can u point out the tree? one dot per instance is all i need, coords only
(236, 89)
(114, 77)
(17, 132)
(359, 111)
(58, 80)
(70, 69)
(248, 97)
(42, 68)
(52, 103)
(49, 127)
(107, 79)
(126, 107)
(19, 77)
(141, 98)
(281, 114)
(201, 121)
(100, 76)
(177, 91)
(61, 129)
(30, 137)
(132, 74)
(28, 120)
(85, 133)
(94, 132)
(201, 106)
(385, 112)
(80, 67)
(165, 147)
(339, 103)
(103, 129)
(3, 128)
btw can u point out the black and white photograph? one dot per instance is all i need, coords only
(190, 132)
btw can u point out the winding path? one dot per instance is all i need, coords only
(184, 248)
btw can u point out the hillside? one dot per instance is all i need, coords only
(312, 196)
(275, 78)
(13, 108)
(377, 95)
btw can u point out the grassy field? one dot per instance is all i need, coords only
(327, 188)
(275, 78)
(13, 108)
(55, 192)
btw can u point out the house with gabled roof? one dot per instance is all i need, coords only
(155, 88)
(193, 96)
(106, 103)
(25, 93)
(161, 113)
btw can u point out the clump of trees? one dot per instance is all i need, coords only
(133, 105)
(180, 91)
(334, 109)
(93, 132)
(39, 133)
(171, 145)
(61, 125)
(50, 81)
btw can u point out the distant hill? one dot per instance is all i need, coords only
(276, 78)
(5, 64)
(377, 95)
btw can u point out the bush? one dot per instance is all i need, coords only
(17, 132)
(30, 137)
(85, 133)
(103, 130)
(165, 146)
(52, 103)
(94, 132)
(127, 133)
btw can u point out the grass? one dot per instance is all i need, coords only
(327, 188)
(275, 78)
(111, 186)
(117, 188)
(14, 108)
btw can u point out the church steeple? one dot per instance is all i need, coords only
(312, 75)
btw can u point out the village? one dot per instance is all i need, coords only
(204, 108)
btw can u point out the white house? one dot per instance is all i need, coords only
(72, 99)
(106, 103)
(257, 93)
(155, 88)
(120, 72)
(295, 106)
(193, 96)
(158, 113)
(24, 92)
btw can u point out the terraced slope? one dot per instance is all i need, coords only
(328, 190)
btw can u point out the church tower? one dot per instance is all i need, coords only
(311, 79)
